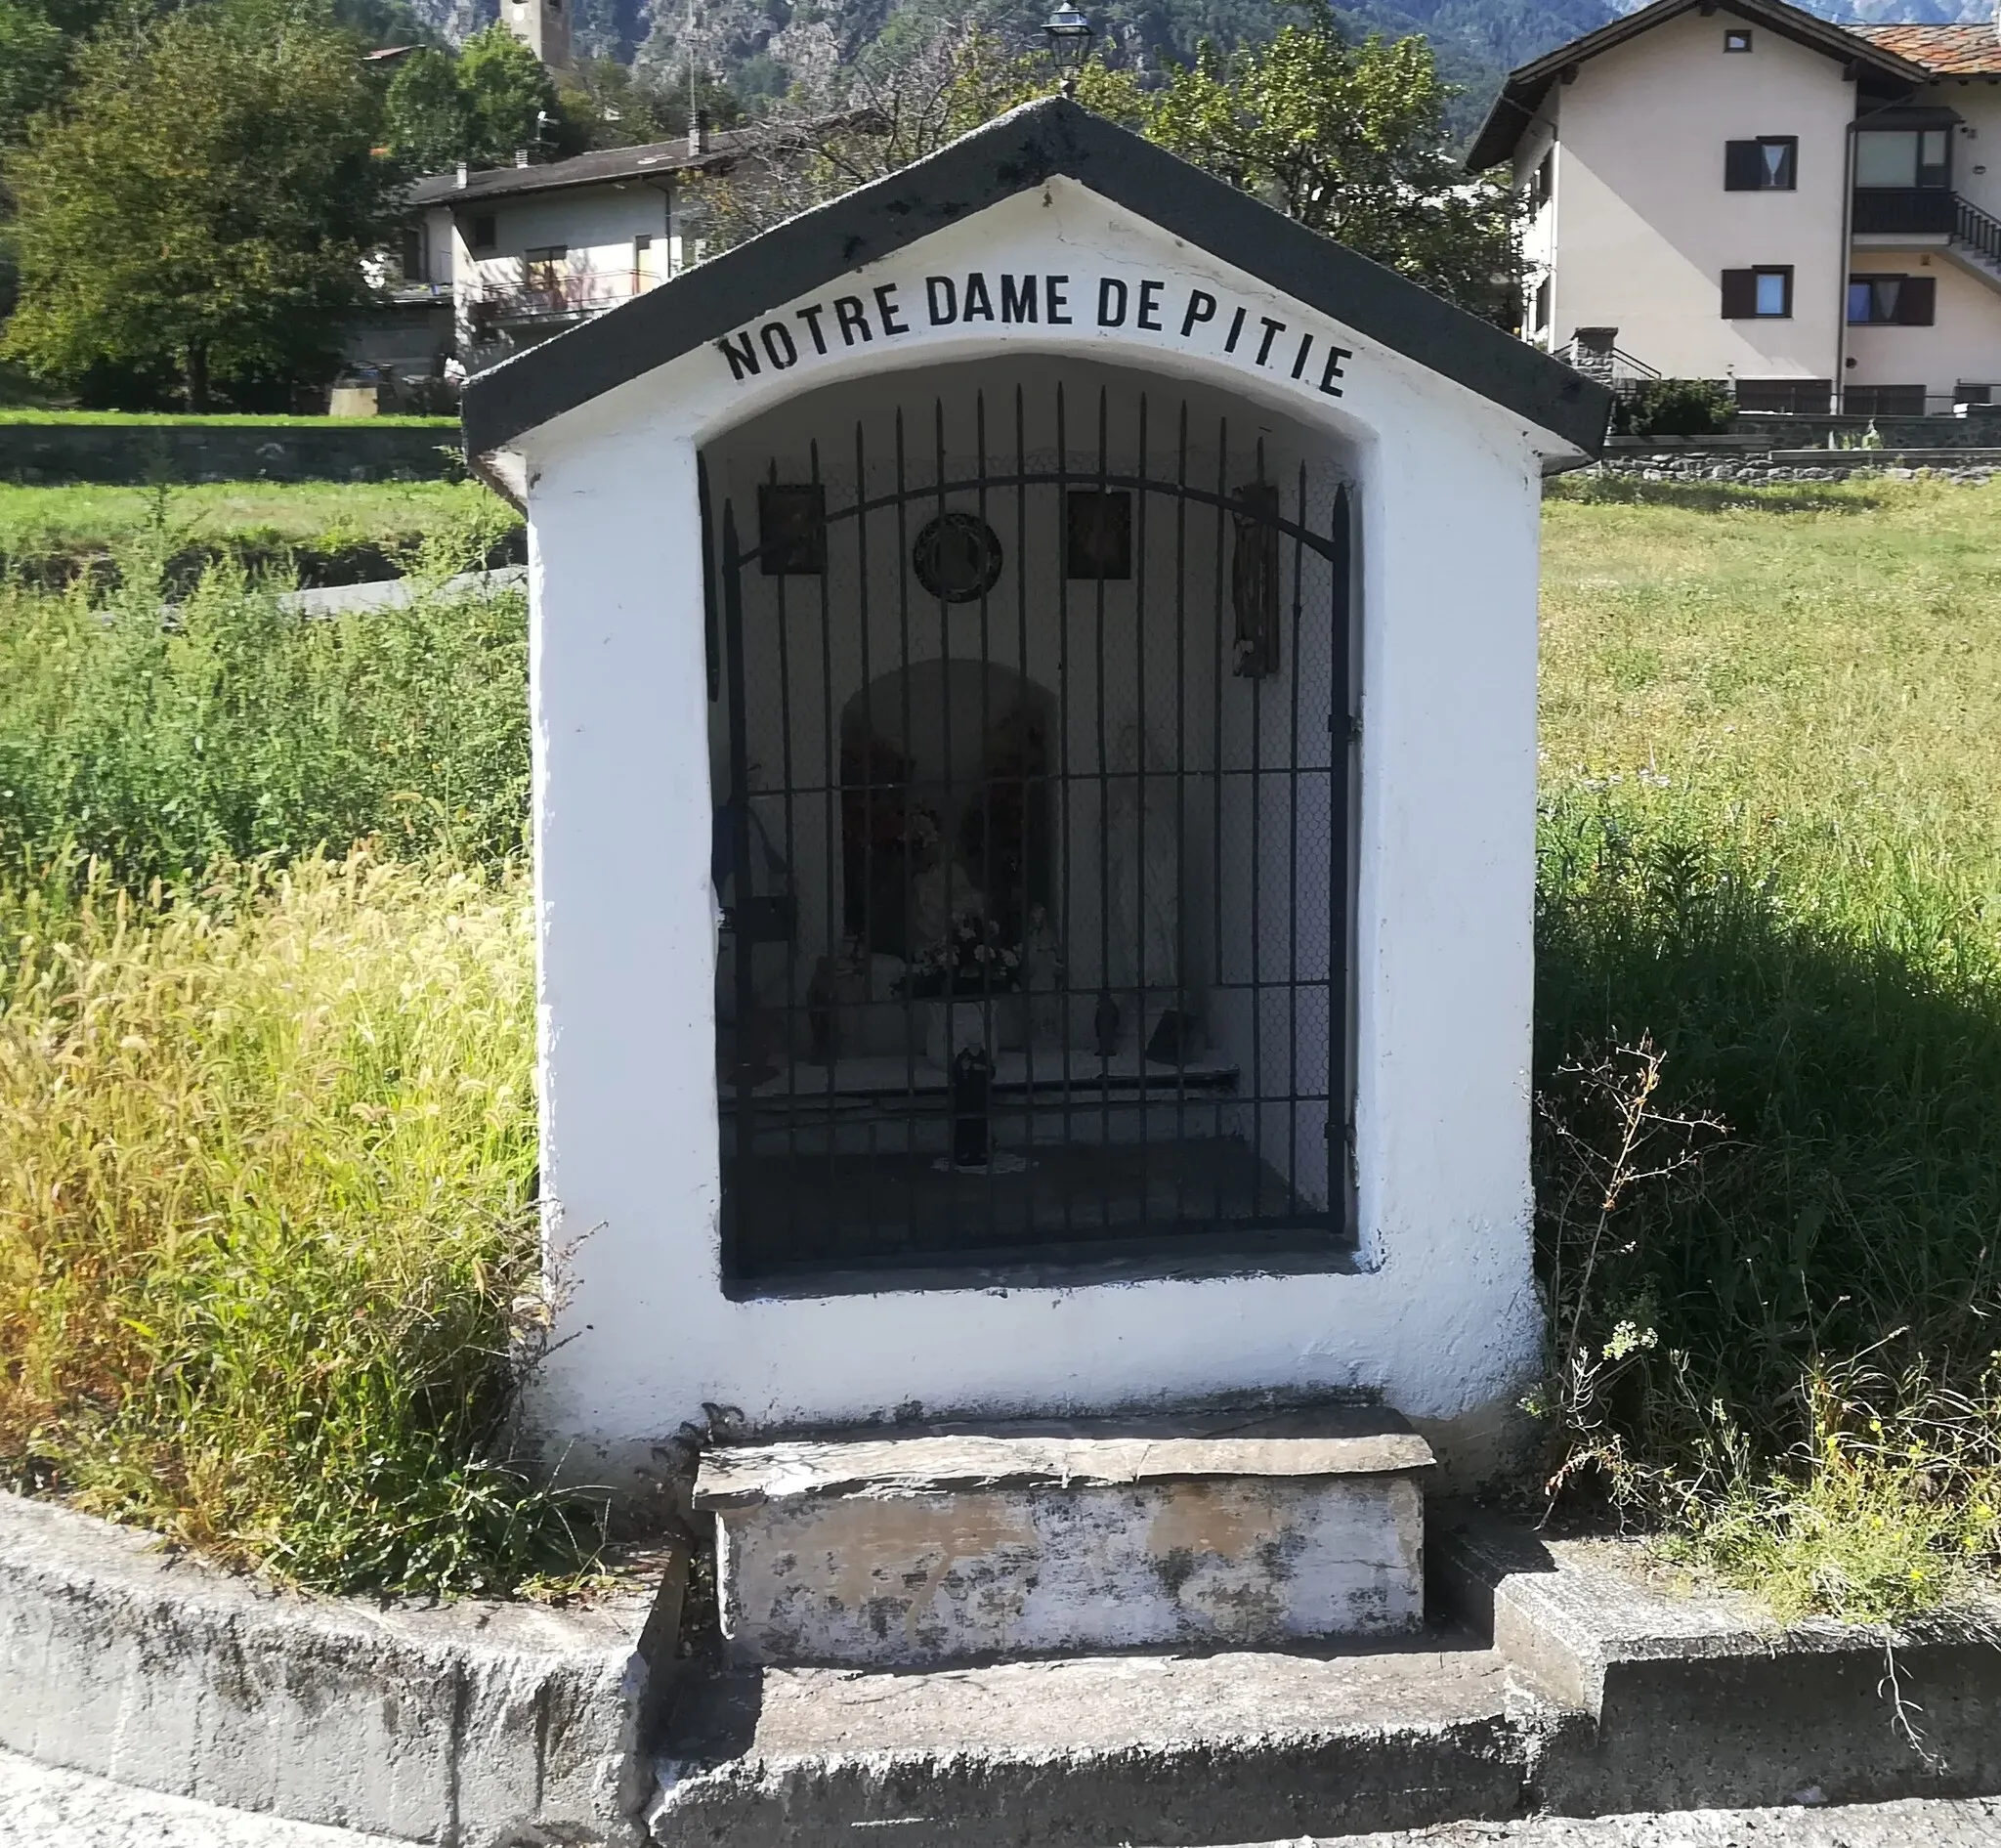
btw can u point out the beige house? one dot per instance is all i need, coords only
(1737, 189)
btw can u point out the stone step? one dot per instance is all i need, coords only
(914, 1547)
(1096, 1752)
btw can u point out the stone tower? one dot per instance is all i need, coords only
(543, 26)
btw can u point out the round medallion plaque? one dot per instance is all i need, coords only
(956, 557)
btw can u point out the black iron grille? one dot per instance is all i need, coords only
(1032, 842)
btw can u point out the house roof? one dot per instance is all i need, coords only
(603, 166)
(1013, 155)
(1946, 51)
(1521, 96)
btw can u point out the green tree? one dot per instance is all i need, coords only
(429, 124)
(510, 100)
(200, 204)
(490, 101)
(1350, 139)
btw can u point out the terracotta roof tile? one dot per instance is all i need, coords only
(1952, 51)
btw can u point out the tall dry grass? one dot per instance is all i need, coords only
(267, 1258)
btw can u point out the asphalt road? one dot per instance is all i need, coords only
(41, 1808)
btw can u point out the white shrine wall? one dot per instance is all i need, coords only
(1437, 1309)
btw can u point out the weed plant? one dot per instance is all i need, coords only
(236, 727)
(1771, 840)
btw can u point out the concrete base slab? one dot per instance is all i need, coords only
(914, 1548)
(1146, 1748)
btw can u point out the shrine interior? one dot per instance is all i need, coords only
(1030, 693)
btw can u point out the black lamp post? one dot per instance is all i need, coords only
(1070, 36)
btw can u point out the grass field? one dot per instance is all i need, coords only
(155, 419)
(1771, 839)
(265, 1139)
(325, 532)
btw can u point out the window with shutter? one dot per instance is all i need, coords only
(1877, 300)
(1765, 164)
(1740, 294)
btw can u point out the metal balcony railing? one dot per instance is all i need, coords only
(1922, 210)
(553, 297)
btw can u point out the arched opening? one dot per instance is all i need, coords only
(1031, 825)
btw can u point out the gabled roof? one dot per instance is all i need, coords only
(1013, 155)
(1946, 51)
(1521, 96)
(601, 166)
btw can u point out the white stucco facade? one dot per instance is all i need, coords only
(1434, 1307)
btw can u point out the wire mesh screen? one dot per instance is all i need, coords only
(1030, 852)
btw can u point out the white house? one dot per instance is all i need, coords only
(1033, 686)
(531, 249)
(1737, 189)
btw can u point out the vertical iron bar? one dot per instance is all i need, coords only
(1257, 832)
(1342, 776)
(791, 948)
(1182, 882)
(734, 1229)
(1142, 871)
(912, 1139)
(1104, 816)
(1294, 666)
(834, 846)
(1028, 1037)
(863, 625)
(1063, 784)
(1218, 767)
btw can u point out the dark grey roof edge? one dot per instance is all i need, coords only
(601, 166)
(1522, 94)
(1017, 151)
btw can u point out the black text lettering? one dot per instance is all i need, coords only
(1333, 371)
(1149, 316)
(778, 345)
(810, 317)
(1110, 291)
(742, 359)
(1201, 306)
(1272, 330)
(943, 294)
(1056, 300)
(1018, 298)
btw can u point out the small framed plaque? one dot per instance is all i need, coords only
(1098, 537)
(792, 529)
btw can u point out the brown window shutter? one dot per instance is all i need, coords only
(1917, 302)
(1740, 294)
(1741, 172)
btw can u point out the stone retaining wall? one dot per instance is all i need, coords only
(1735, 463)
(359, 449)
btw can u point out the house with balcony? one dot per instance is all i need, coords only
(1737, 189)
(529, 250)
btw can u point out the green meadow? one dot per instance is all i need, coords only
(268, 1272)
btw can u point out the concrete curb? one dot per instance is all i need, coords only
(467, 1726)
(394, 593)
(1700, 1700)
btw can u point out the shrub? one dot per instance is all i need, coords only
(1675, 406)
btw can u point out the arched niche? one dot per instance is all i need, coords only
(945, 768)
